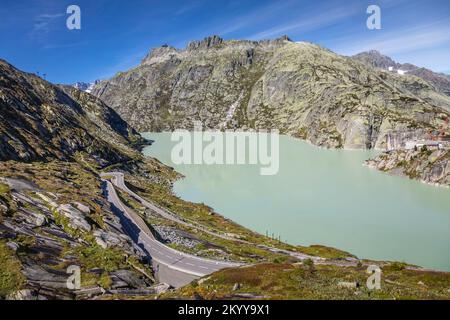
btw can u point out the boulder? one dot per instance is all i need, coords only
(84, 209)
(348, 285)
(126, 278)
(25, 294)
(161, 288)
(34, 218)
(107, 239)
(12, 245)
(75, 216)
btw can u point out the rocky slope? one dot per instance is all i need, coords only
(375, 59)
(299, 88)
(48, 222)
(432, 167)
(40, 121)
(53, 213)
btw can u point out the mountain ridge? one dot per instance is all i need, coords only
(61, 217)
(41, 121)
(301, 89)
(84, 86)
(376, 59)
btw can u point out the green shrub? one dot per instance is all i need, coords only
(11, 277)
(4, 189)
(105, 281)
(309, 264)
(93, 257)
(398, 266)
(402, 164)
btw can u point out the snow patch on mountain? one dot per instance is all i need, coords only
(86, 87)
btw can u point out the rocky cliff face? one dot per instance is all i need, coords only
(53, 213)
(428, 166)
(40, 121)
(299, 88)
(52, 216)
(375, 59)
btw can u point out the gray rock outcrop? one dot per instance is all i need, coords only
(300, 89)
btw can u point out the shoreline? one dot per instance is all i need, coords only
(431, 184)
(182, 176)
(309, 142)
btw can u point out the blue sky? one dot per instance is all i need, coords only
(117, 34)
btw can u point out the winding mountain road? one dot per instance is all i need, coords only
(119, 182)
(117, 179)
(171, 266)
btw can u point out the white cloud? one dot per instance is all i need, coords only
(65, 45)
(256, 16)
(309, 22)
(43, 22)
(406, 40)
(426, 45)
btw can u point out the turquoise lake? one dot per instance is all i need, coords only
(324, 197)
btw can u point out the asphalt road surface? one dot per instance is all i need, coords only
(118, 180)
(171, 266)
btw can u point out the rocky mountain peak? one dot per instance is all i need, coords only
(156, 54)
(284, 38)
(374, 58)
(300, 89)
(277, 42)
(206, 43)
